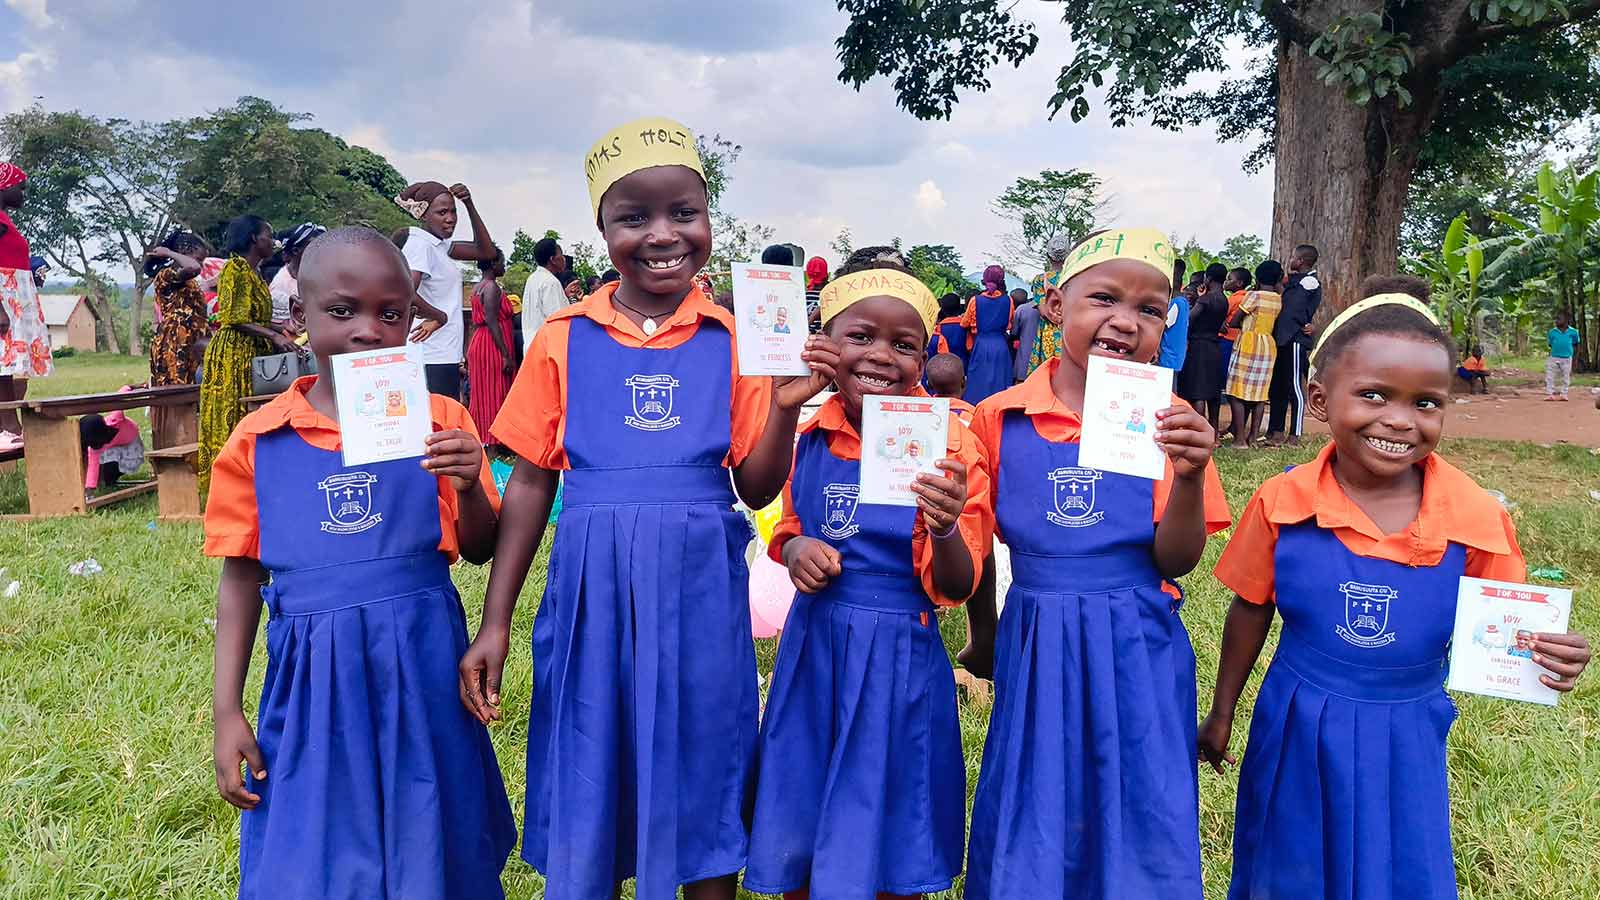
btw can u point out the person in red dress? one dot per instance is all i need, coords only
(491, 362)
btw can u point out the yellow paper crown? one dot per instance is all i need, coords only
(1356, 309)
(640, 144)
(847, 290)
(1146, 245)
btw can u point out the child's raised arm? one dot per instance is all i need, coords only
(524, 512)
(762, 474)
(1243, 635)
(233, 742)
(1187, 438)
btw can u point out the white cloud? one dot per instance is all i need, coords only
(33, 11)
(929, 198)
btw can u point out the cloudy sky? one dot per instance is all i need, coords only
(506, 95)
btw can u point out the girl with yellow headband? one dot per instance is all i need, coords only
(861, 788)
(1343, 791)
(641, 735)
(1088, 786)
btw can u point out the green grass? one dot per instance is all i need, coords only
(105, 774)
(1533, 365)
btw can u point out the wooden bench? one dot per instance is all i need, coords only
(55, 455)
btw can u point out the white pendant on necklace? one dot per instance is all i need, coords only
(648, 326)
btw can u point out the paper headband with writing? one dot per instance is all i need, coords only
(847, 290)
(1356, 309)
(640, 144)
(1145, 245)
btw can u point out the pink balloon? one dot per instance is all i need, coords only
(771, 593)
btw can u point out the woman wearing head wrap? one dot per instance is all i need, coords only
(284, 284)
(816, 277)
(181, 332)
(988, 320)
(24, 338)
(432, 257)
(1047, 342)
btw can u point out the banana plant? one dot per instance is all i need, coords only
(1455, 273)
(1565, 235)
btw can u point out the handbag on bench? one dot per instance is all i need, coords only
(274, 373)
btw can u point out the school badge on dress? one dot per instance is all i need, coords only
(652, 402)
(349, 496)
(840, 521)
(1366, 614)
(1074, 497)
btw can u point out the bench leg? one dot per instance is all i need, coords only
(55, 465)
(177, 490)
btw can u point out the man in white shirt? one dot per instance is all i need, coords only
(543, 297)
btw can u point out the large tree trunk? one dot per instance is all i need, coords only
(102, 313)
(136, 312)
(1342, 172)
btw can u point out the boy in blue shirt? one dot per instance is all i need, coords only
(1562, 339)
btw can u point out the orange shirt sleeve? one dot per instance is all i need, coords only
(1499, 566)
(752, 407)
(976, 523)
(1247, 565)
(969, 318)
(1218, 516)
(447, 415)
(532, 421)
(788, 526)
(233, 527)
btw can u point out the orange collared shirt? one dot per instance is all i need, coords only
(1454, 510)
(1234, 299)
(1474, 364)
(232, 523)
(976, 522)
(533, 420)
(1056, 423)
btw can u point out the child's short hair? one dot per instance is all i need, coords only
(951, 305)
(1373, 285)
(1216, 273)
(881, 257)
(1307, 254)
(1389, 318)
(1020, 295)
(1241, 275)
(945, 366)
(1269, 272)
(485, 265)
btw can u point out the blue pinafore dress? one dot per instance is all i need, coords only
(862, 786)
(642, 731)
(990, 369)
(379, 782)
(1089, 786)
(954, 337)
(1342, 793)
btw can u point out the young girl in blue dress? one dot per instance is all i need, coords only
(365, 776)
(642, 731)
(862, 787)
(1089, 787)
(990, 367)
(1343, 791)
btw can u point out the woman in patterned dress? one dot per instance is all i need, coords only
(244, 310)
(1254, 353)
(24, 339)
(180, 339)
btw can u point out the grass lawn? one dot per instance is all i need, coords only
(105, 753)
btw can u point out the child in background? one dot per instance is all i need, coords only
(1238, 281)
(1558, 368)
(947, 378)
(988, 322)
(365, 777)
(861, 788)
(1024, 333)
(1254, 353)
(1089, 785)
(1473, 371)
(642, 731)
(1343, 790)
(949, 335)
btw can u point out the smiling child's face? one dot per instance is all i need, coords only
(355, 297)
(1384, 398)
(1115, 309)
(881, 350)
(657, 229)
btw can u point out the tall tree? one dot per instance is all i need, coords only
(1056, 202)
(1243, 250)
(249, 158)
(521, 250)
(939, 267)
(102, 192)
(1353, 91)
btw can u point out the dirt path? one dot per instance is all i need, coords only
(1516, 411)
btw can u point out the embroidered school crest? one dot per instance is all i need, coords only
(839, 501)
(1074, 497)
(349, 496)
(652, 402)
(1366, 614)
